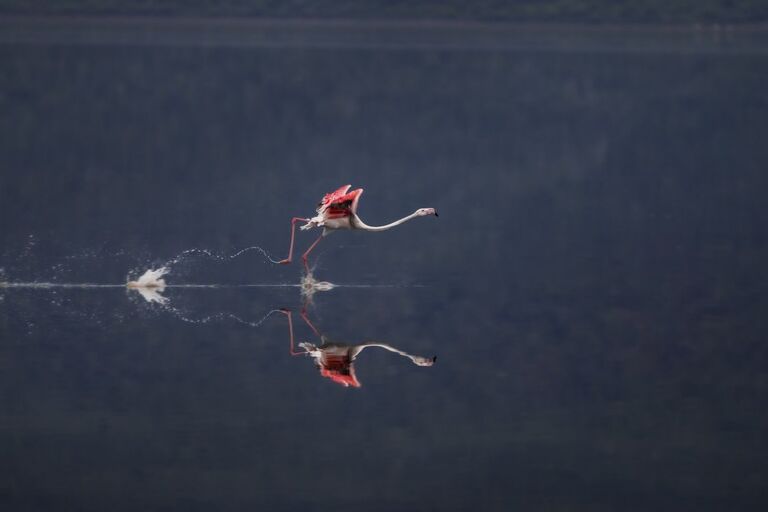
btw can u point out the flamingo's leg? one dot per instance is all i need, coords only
(293, 234)
(311, 326)
(306, 253)
(288, 313)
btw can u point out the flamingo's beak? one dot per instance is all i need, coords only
(436, 215)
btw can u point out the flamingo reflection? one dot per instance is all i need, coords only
(336, 361)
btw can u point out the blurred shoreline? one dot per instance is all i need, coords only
(383, 23)
(381, 34)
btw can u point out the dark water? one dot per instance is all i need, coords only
(594, 288)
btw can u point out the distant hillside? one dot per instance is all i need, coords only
(560, 11)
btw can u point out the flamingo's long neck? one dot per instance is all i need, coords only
(360, 348)
(359, 224)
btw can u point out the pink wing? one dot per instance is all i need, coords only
(342, 206)
(332, 197)
(340, 203)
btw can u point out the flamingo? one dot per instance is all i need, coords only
(336, 361)
(338, 210)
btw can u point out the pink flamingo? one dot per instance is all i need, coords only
(338, 210)
(336, 361)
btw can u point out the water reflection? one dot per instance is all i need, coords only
(335, 360)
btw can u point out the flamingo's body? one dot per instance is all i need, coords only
(338, 210)
(336, 361)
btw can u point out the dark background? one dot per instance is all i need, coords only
(562, 11)
(594, 288)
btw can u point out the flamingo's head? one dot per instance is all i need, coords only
(423, 212)
(424, 361)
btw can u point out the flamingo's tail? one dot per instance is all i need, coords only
(311, 223)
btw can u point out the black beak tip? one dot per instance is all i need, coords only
(436, 215)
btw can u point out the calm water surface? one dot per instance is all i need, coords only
(594, 288)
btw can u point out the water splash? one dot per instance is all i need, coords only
(151, 279)
(217, 317)
(48, 285)
(151, 285)
(309, 286)
(153, 295)
(218, 257)
(29, 246)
